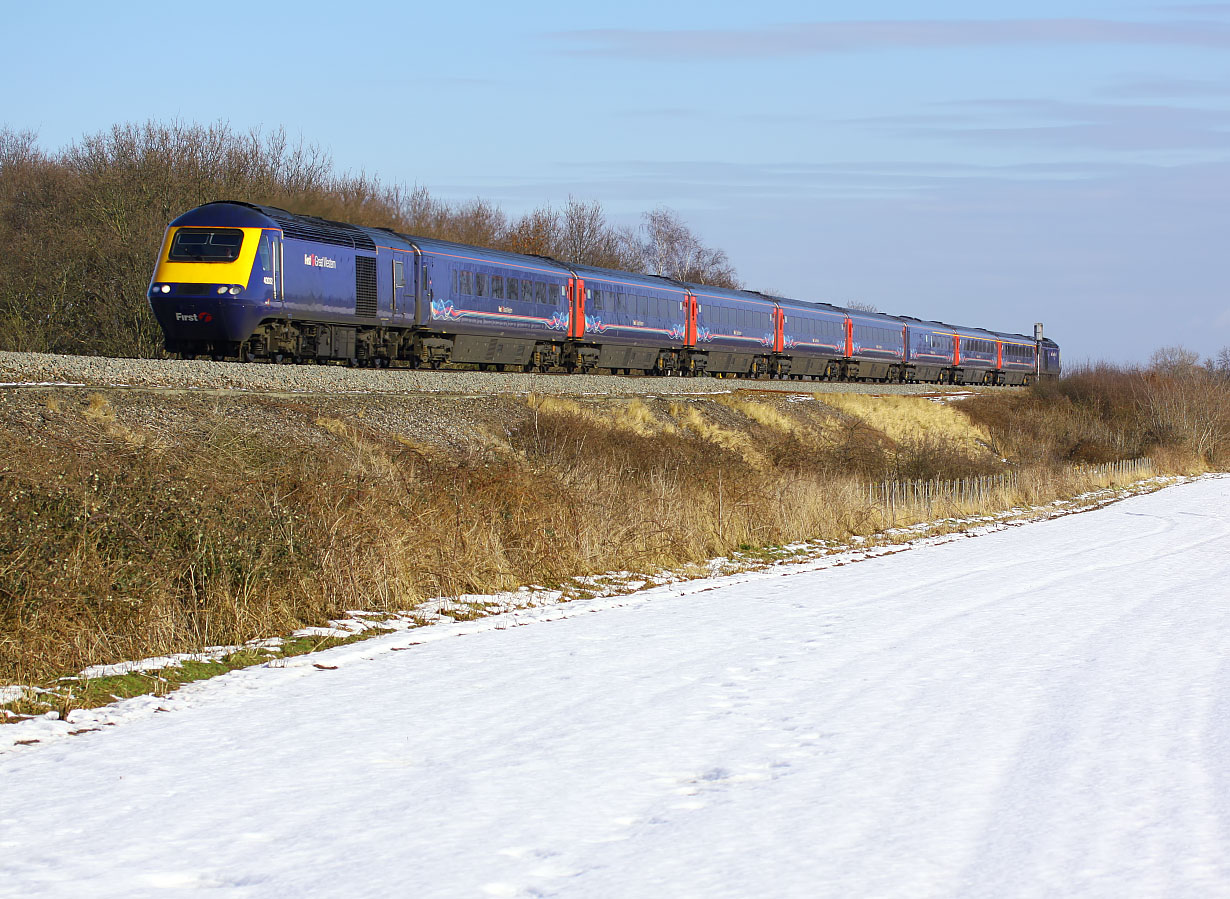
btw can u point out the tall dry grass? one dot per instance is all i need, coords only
(133, 526)
(1101, 413)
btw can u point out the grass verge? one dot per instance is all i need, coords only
(137, 525)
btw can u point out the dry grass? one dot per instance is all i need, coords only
(906, 419)
(134, 525)
(738, 442)
(632, 416)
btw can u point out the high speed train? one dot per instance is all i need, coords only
(240, 280)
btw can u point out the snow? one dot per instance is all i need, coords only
(1039, 711)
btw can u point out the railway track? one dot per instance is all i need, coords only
(18, 370)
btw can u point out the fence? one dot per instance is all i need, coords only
(917, 496)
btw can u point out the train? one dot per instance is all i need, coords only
(238, 280)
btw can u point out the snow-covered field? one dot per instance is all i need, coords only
(1042, 711)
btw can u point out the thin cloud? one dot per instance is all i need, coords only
(1058, 124)
(821, 38)
(695, 183)
(1175, 88)
(1200, 9)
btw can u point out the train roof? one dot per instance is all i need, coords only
(227, 213)
(807, 305)
(654, 282)
(728, 293)
(482, 255)
(860, 315)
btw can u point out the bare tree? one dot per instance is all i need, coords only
(586, 237)
(1219, 366)
(863, 306)
(1174, 361)
(477, 222)
(536, 232)
(668, 247)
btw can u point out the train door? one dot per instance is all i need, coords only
(779, 329)
(576, 307)
(402, 301)
(424, 291)
(689, 319)
(270, 256)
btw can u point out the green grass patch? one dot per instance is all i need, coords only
(70, 693)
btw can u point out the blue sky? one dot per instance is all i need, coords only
(1058, 162)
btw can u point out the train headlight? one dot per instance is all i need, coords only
(235, 291)
(165, 288)
(221, 290)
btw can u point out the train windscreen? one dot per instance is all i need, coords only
(205, 245)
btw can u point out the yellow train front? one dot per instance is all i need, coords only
(216, 279)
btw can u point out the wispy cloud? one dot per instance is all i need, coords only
(1177, 88)
(696, 183)
(819, 38)
(1060, 124)
(1200, 9)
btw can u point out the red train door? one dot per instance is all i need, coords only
(779, 329)
(689, 319)
(956, 349)
(849, 337)
(576, 317)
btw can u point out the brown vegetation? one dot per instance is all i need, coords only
(81, 227)
(1104, 412)
(137, 524)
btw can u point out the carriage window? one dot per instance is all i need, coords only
(512, 288)
(540, 292)
(205, 245)
(497, 287)
(482, 286)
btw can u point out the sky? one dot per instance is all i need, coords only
(988, 165)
